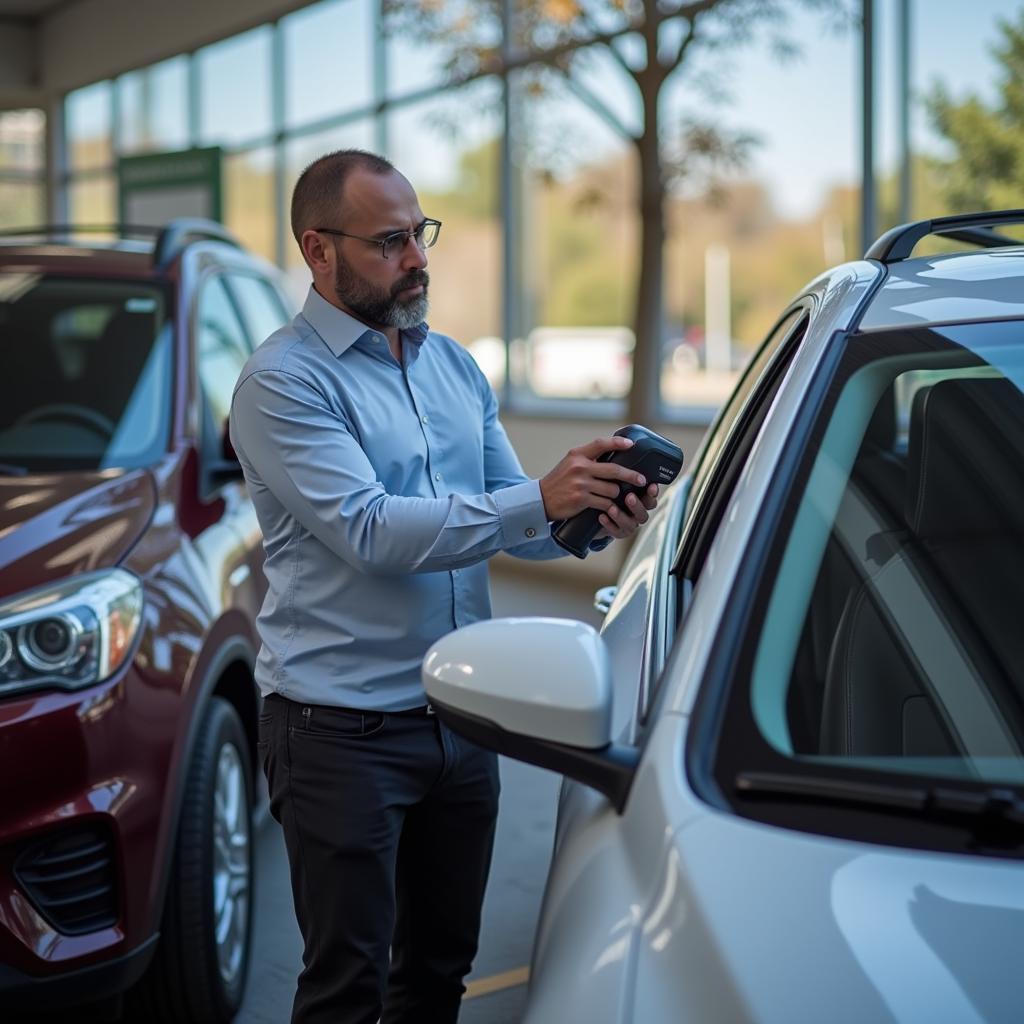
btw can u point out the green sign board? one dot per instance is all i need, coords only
(157, 187)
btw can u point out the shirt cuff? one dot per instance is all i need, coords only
(521, 511)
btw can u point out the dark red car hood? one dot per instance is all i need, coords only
(56, 525)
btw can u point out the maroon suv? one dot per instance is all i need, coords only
(130, 579)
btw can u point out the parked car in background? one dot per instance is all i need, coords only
(130, 579)
(580, 362)
(794, 754)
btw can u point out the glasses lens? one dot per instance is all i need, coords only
(395, 243)
(427, 234)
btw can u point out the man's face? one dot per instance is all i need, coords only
(382, 292)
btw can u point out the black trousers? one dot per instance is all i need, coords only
(389, 824)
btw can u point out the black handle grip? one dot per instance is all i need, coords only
(657, 458)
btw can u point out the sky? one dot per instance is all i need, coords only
(809, 111)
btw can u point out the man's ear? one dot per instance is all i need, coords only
(315, 252)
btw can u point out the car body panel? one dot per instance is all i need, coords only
(970, 286)
(620, 857)
(61, 524)
(755, 923)
(631, 627)
(118, 752)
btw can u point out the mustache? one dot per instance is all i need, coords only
(411, 280)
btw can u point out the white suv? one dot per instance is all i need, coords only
(795, 753)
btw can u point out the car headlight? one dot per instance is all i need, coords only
(71, 634)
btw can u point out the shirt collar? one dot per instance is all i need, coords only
(340, 331)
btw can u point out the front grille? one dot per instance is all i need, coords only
(69, 877)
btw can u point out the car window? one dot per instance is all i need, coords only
(87, 372)
(889, 637)
(724, 453)
(261, 307)
(222, 347)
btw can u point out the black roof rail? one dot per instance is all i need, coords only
(178, 233)
(976, 228)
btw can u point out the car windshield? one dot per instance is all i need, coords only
(891, 636)
(86, 372)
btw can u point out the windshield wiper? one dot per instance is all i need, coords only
(9, 469)
(989, 811)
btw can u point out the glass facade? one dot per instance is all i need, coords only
(152, 108)
(339, 35)
(22, 147)
(539, 190)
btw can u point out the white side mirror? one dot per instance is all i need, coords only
(548, 679)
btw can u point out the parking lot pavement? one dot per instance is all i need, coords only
(496, 988)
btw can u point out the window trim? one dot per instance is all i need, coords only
(708, 500)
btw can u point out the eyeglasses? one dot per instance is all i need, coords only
(424, 236)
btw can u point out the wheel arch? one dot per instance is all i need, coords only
(228, 673)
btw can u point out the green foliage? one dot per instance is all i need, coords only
(987, 170)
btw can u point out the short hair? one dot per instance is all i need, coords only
(316, 194)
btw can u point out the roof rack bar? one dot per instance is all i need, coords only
(185, 229)
(898, 243)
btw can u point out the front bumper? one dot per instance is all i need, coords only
(84, 831)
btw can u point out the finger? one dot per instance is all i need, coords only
(627, 520)
(605, 488)
(611, 471)
(601, 445)
(636, 510)
(610, 528)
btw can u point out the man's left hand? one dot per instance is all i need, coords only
(620, 525)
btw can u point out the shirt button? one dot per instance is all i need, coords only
(437, 476)
(426, 419)
(531, 532)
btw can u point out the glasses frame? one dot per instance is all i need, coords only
(404, 235)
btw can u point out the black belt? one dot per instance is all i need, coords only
(419, 712)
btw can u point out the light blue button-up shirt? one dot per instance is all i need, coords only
(381, 491)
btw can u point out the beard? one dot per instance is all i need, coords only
(378, 306)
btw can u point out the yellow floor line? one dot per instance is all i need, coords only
(496, 982)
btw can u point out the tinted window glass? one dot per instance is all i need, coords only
(260, 306)
(891, 637)
(223, 348)
(86, 375)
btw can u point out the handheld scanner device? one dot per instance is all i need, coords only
(656, 457)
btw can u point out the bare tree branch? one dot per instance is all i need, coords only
(604, 112)
(588, 20)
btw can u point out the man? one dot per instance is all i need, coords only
(383, 481)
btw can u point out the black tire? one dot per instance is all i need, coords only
(184, 983)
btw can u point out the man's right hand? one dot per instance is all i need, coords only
(579, 481)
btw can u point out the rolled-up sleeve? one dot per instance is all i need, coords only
(290, 440)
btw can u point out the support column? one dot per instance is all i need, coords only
(868, 216)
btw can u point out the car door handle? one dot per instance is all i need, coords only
(603, 599)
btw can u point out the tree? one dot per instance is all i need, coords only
(650, 43)
(986, 171)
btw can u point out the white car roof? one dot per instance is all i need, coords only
(986, 285)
